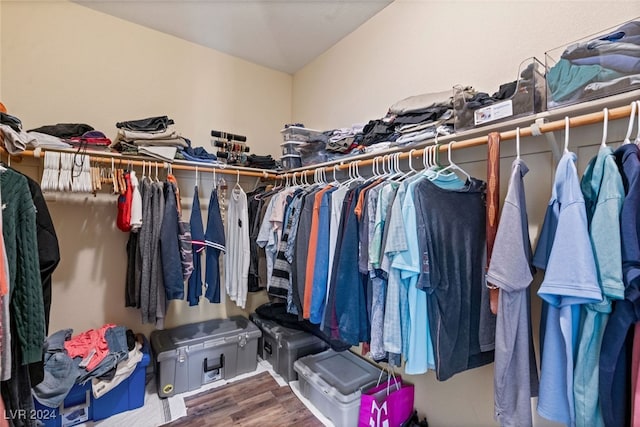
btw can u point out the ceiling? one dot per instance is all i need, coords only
(284, 35)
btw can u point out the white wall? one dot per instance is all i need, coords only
(422, 46)
(414, 47)
(65, 63)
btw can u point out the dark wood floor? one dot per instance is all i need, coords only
(255, 401)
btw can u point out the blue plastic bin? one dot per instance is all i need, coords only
(80, 406)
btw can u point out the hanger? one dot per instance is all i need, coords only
(350, 177)
(237, 186)
(632, 118)
(566, 134)
(196, 175)
(411, 170)
(335, 180)
(451, 166)
(518, 143)
(605, 127)
(637, 141)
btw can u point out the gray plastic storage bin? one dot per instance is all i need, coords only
(192, 355)
(282, 346)
(333, 383)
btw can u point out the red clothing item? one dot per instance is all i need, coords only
(93, 339)
(123, 220)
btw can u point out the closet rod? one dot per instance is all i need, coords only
(577, 121)
(119, 160)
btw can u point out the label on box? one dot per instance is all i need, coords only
(493, 112)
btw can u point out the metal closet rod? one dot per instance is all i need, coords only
(106, 158)
(577, 121)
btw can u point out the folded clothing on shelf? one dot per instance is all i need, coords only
(149, 124)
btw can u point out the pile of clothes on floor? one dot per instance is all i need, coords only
(105, 356)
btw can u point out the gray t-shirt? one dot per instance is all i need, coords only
(515, 373)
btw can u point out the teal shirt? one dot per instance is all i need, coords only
(603, 193)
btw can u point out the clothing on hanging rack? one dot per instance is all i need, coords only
(563, 242)
(515, 371)
(238, 252)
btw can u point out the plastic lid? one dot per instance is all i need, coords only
(345, 371)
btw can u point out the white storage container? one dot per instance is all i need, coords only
(291, 161)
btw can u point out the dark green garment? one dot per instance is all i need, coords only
(565, 79)
(20, 237)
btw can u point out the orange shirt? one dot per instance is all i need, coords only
(311, 252)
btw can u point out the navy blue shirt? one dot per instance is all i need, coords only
(215, 241)
(170, 246)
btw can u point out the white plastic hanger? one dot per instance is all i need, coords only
(632, 118)
(411, 170)
(335, 179)
(605, 127)
(637, 140)
(451, 166)
(358, 176)
(566, 134)
(237, 181)
(518, 143)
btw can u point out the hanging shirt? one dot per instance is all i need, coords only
(417, 346)
(170, 246)
(267, 239)
(237, 256)
(194, 284)
(385, 196)
(396, 325)
(603, 192)
(614, 362)
(564, 251)
(214, 240)
(321, 268)
(456, 251)
(136, 202)
(255, 202)
(515, 372)
(312, 256)
(337, 197)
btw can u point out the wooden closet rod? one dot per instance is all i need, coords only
(577, 121)
(106, 158)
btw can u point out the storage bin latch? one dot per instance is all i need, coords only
(182, 357)
(242, 340)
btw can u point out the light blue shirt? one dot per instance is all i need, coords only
(418, 350)
(564, 250)
(396, 316)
